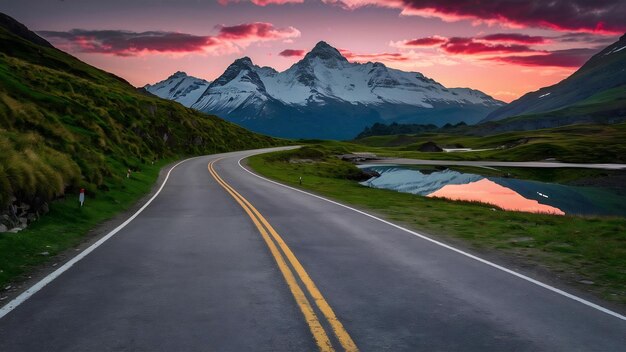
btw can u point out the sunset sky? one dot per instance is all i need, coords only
(504, 48)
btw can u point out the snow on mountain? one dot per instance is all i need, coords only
(325, 82)
(179, 87)
(239, 87)
(325, 73)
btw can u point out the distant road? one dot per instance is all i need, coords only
(538, 164)
(223, 260)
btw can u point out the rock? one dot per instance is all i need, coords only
(430, 147)
(44, 253)
(586, 282)
(22, 222)
(31, 217)
(45, 209)
(15, 230)
(371, 173)
(3, 228)
(356, 157)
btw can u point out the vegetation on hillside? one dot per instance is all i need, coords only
(576, 143)
(66, 125)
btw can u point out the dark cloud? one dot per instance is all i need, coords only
(515, 38)
(586, 38)
(257, 30)
(598, 16)
(428, 41)
(128, 43)
(292, 52)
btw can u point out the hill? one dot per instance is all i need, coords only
(66, 125)
(594, 93)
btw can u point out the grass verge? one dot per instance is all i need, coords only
(67, 224)
(588, 252)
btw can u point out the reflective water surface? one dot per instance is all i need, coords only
(506, 193)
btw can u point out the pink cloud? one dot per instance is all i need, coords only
(469, 46)
(503, 47)
(292, 53)
(420, 42)
(384, 57)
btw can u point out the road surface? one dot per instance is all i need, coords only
(222, 260)
(536, 164)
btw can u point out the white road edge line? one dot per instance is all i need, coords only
(6, 309)
(424, 237)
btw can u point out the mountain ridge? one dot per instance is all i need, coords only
(324, 81)
(603, 72)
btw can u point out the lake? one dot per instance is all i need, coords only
(506, 193)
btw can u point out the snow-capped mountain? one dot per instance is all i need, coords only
(179, 87)
(325, 96)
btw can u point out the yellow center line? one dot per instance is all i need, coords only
(342, 335)
(319, 334)
(340, 332)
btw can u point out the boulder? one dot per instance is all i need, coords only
(3, 228)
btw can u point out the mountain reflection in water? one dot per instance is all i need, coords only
(505, 193)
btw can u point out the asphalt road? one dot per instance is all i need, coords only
(193, 272)
(533, 164)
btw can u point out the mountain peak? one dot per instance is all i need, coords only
(178, 74)
(324, 51)
(244, 61)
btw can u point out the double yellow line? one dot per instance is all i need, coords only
(319, 334)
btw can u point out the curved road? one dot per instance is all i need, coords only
(223, 260)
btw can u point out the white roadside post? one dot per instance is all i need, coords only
(81, 197)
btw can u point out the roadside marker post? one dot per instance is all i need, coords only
(81, 197)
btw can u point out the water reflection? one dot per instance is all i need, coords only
(486, 191)
(505, 193)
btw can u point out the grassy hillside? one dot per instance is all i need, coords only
(575, 143)
(65, 124)
(606, 107)
(600, 74)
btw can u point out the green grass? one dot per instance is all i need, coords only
(67, 224)
(573, 247)
(576, 143)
